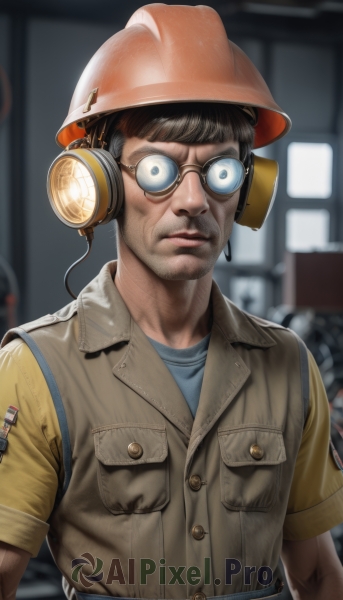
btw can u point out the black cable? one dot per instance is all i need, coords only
(228, 256)
(89, 239)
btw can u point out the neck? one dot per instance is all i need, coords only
(174, 313)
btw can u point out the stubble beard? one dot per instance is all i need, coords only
(160, 264)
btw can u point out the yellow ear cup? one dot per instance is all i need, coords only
(85, 187)
(259, 195)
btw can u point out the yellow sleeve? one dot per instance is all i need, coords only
(31, 466)
(316, 499)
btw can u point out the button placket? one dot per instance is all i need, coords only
(198, 544)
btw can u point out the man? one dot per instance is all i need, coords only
(169, 444)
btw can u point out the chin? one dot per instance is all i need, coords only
(181, 269)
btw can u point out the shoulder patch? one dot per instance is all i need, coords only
(9, 420)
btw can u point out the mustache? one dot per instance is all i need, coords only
(200, 224)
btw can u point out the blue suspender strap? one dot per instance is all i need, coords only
(269, 592)
(57, 400)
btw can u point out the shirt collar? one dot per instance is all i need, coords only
(104, 319)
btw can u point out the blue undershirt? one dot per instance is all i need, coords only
(187, 366)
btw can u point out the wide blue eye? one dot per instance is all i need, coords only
(156, 173)
(225, 175)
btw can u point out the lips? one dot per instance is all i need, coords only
(188, 239)
(188, 235)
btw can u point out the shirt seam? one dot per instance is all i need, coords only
(316, 505)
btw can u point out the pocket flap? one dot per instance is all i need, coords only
(112, 443)
(236, 446)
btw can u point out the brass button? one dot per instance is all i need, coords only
(195, 482)
(256, 452)
(198, 532)
(135, 450)
(199, 596)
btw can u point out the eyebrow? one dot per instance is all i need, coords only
(229, 152)
(137, 154)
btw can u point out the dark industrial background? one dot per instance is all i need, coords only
(298, 48)
(44, 47)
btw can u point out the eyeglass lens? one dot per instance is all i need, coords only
(157, 173)
(225, 175)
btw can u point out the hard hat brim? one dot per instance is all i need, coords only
(272, 123)
(168, 54)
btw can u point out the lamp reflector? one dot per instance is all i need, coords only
(73, 191)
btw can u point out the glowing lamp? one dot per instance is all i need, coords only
(79, 188)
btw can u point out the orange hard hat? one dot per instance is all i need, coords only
(171, 54)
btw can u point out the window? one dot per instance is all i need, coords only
(307, 230)
(248, 246)
(309, 170)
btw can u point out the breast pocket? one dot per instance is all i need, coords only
(132, 467)
(251, 458)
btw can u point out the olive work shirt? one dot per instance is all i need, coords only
(252, 394)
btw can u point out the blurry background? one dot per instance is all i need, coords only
(290, 271)
(44, 47)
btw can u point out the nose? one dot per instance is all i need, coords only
(190, 197)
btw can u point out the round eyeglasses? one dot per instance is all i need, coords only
(158, 174)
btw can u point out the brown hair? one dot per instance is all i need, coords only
(187, 123)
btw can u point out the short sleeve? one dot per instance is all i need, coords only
(316, 498)
(31, 466)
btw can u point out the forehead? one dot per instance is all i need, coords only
(135, 148)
